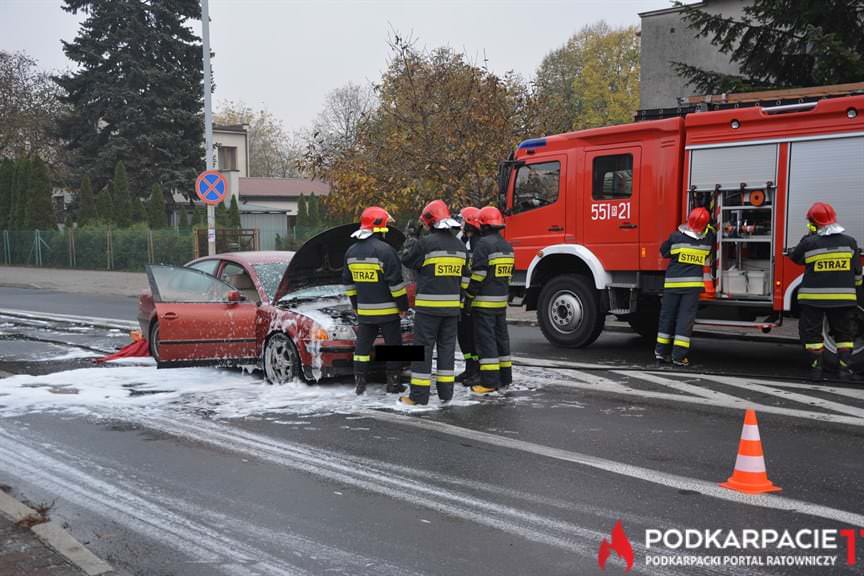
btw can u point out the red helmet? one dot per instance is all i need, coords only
(698, 219)
(373, 219)
(490, 216)
(436, 214)
(821, 214)
(471, 216)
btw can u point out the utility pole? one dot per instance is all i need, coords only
(208, 121)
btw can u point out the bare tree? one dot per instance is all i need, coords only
(273, 152)
(29, 107)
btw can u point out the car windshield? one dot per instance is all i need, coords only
(314, 292)
(270, 275)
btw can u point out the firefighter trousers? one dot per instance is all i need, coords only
(433, 332)
(677, 314)
(466, 342)
(366, 334)
(493, 348)
(840, 326)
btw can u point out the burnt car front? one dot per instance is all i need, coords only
(313, 313)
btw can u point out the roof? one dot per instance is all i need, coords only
(282, 187)
(670, 10)
(241, 128)
(248, 208)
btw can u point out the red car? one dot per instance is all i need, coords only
(283, 312)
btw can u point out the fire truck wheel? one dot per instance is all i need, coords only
(569, 311)
(644, 322)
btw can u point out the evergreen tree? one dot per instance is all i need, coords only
(41, 204)
(122, 204)
(200, 213)
(20, 195)
(156, 217)
(780, 44)
(87, 213)
(105, 205)
(222, 220)
(182, 217)
(312, 207)
(234, 214)
(137, 71)
(7, 174)
(302, 211)
(137, 210)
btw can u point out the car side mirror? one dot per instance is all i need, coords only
(235, 296)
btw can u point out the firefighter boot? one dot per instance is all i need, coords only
(815, 362)
(393, 384)
(844, 361)
(359, 384)
(471, 375)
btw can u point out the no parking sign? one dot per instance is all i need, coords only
(211, 187)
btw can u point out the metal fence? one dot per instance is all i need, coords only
(96, 248)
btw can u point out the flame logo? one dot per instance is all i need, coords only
(620, 545)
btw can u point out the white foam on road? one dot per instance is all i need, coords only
(136, 384)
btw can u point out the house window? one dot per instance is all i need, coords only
(227, 158)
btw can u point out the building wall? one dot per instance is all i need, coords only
(666, 39)
(268, 225)
(236, 140)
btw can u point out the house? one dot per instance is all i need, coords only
(665, 39)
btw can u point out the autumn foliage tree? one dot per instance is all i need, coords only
(440, 127)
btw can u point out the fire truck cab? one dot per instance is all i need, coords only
(586, 211)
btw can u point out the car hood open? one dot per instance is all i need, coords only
(319, 261)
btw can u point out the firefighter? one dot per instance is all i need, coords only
(832, 272)
(373, 281)
(688, 248)
(486, 295)
(470, 230)
(439, 259)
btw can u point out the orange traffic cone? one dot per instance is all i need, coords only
(710, 292)
(750, 475)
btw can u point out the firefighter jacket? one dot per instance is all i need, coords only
(372, 278)
(832, 270)
(491, 268)
(440, 260)
(688, 257)
(466, 278)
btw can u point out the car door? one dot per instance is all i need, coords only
(199, 322)
(536, 216)
(611, 224)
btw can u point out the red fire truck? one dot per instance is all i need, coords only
(587, 211)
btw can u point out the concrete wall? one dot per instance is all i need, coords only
(666, 39)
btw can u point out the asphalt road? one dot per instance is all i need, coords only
(241, 478)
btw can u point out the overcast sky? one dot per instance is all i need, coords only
(286, 55)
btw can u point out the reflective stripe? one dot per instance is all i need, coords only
(437, 296)
(826, 253)
(494, 255)
(447, 253)
(364, 267)
(445, 377)
(382, 229)
(505, 364)
(488, 360)
(750, 464)
(364, 261)
(501, 260)
(487, 304)
(470, 357)
(350, 290)
(681, 343)
(750, 432)
(859, 281)
(465, 282)
(361, 358)
(479, 275)
(663, 339)
(826, 296)
(418, 379)
(844, 345)
(377, 306)
(445, 372)
(489, 367)
(492, 298)
(676, 248)
(455, 260)
(688, 284)
(814, 346)
(361, 311)
(398, 293)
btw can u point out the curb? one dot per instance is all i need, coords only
(55, 536)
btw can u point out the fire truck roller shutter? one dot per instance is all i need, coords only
(731, 165)
(827, 170)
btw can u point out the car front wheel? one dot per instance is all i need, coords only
(281, 361)
(570, 311)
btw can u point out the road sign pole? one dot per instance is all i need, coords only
(208, 121)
